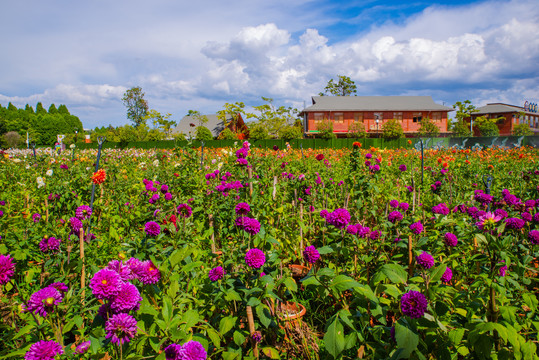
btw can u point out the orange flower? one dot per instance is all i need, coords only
(99, 177)
(409, 142)
(445, 165)
(491, 167)
(356, 144)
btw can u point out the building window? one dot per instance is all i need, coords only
(437, 116)
(358, 117)
(378, 116)
(417, 117)
(397, 116)
(318, 117)
(339, 118)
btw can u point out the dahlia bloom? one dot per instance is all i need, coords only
(152, 228)
(83, 212)
(414, 304)
(7, 269)
(43, 301)
(242, 209)
(404, 206)
(44, 350)
(49, 244)
(502, 271)
(375, 235)
(147, 272)
(192, 350)
(394, 216)
(416, 228)
(402, 167)
(533, 236)
(99, 177)
(324, 213)
(60, 286)
(36, 217)
(352, 229)
(75, 224)
(450, 239)
(394, 203)
(255, 258)
(128, 299)
(124, 271)
(105, 284)
(339, 218)
(184, 210)
(310, 254)
(440, 209)
(514, 223)
(252, 226)
(488, 220)
(172, 352)
(217, 273)
(320, 157)
(83, 347)
(447, 275)
(425, 260)
(121, 328)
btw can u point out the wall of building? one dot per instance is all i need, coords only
(408, 125)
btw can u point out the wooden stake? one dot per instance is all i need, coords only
(83, 272)
(213, 247)
(252, 330)
(410, 256)
(274, 187)
(250, 171)
(47, 210)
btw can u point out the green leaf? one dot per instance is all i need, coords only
(25, 330)
(530, 300)
(191, 266)
(214, 337)
(167, 309)
(239, 339)
(290, 284)
(264, 315)
(343, 282)
(270, 352)
(226, 324)
(438, 272)
(407, 340)
(395, 273)
(232, 295)
(190, 318)
(334, 338)
(456, 336)
(325, 250)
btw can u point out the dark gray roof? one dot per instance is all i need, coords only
(214, 124)
(375, 103)
(498, 108)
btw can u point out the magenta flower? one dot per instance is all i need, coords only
(450, 239)
(36, 217)
(502, 271)
(404, 206)
(124, 271)
(217, 273)
(402, 167)
(425, 260)
(447, 275)
(487, 221)
(49, 245)
(7, 269)
(514, 223)
(192, 350)
(128, 299)
(252, 226)
(121, 328)
(83, 212)
(82, 347)
(394, 204)
(44, 301)
(339, 218)
(105, 284)
(148, 273)
(152, 228)
(255, 258)
(75, 224)
(60, 286)
(416, 228)
(310, 254)
(414, 304)
(394, 216)
(533, 236)
(44, 350)
(184, 210)
(242, 209)
(172, 352)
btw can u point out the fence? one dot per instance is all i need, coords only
(501, 141)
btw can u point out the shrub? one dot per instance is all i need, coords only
(357, 130)
(290, 132)
(392, 129)
(258, 132)
(522, 130)
(428, 128)
(227, 134)
(325, 129)
(202, 133)
(12, 139)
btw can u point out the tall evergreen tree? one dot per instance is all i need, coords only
(53, 109)
(29, 109)
(62, 109)
(40, 110)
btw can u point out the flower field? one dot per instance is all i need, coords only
(249, 253)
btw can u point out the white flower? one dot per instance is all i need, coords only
(16, 160)
(72, 146)
(142, 164)
(219, 166)
(156, 163)
(40, 182)
(27, 167)
(53, 161)
(49, 172)
(177, 164)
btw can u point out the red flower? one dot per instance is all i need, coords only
(99, 177)
(356, 144)
(320, 157)
(176, 174)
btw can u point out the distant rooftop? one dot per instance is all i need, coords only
(494, 108)
(375, 103)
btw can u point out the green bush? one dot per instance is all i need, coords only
(290, 132)
(227, 134)
(428, 128)
(522, 130)
(258, 132)
(202, 133)
(392, 129)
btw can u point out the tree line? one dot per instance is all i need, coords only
(41, 125)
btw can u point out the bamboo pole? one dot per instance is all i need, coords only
(252, 330)
(410, 256)
(83, 271)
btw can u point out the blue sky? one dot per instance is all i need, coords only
(198, 55)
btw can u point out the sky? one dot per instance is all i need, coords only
(199, 55)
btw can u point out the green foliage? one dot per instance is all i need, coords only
(258, 132)
(40, 110)
(392, 129)
(343, 87)
(137, 106)
(273, 118)
(486, 126)
(162, 122)
(202, 119)
(53, 109)
(357, 130)
(325, 129)
(227, 134)
(290, 132)
(522, 130)
(428, 128)
(461, 128)
(202, 133)
(12, 139)
(464, 109)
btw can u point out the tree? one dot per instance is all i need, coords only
(53, 109)
(29, 109)
(137, 107)
(522, 130)
(344, 87)
(461, 128)
(275, 118)
(258, 132)
(40, 110)
(62, 109)
(487, 126)
(464, 110)
(230, 114)
(195, 114)
(12, 139)
(428, 128)
(357, 130)
(227, 134)
(291, 132)
(392, 129)
(160, 121)
(202, 133)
